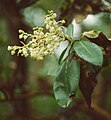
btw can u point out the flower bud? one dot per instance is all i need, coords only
(21, 31)
(54, 15)
(12, 52)
(25, 37)
(9, 48)
(20, 36)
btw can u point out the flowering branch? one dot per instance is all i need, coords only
(72, 68)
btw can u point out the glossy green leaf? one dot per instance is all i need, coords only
(61, 56)
(66, 83)
(70, 30)
(90, 52)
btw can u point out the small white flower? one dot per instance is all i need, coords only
(52, 29)
(54, 36)
(41, 35)
(45, 52)
(33, 54)
(24, 52)
(35, 32)
(63, 21)
(54, 15)
(42, 50)
(59, 30)
(21, 31)
(49, 46)
(48, 40)
(50, 23)
(40, 58)
(20, 36)
(57, 39)
(57, 45)
(12, 52)
(55, 23)
(33, 45)
(47, 26)
(25, 37)
(9, 48)
(51, 49)
(47, 19)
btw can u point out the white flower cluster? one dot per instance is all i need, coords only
(41, 44)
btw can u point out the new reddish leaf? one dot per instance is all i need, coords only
(98, 38)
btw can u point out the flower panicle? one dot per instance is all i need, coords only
(40, 43)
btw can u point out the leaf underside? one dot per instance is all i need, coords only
(88, 81)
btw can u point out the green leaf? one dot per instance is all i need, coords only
(34, 16)
(66, 83)
(70, 30)
(90, 52)
(62, 55)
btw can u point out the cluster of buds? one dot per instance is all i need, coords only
(40, 43)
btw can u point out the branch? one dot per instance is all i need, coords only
(105, 9)
(32, 94)
(98, 111)
(76, 8)
(24, 96)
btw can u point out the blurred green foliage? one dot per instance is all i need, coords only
(4, 55)
(49, 106)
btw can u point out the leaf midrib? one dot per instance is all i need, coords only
(85, 48)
